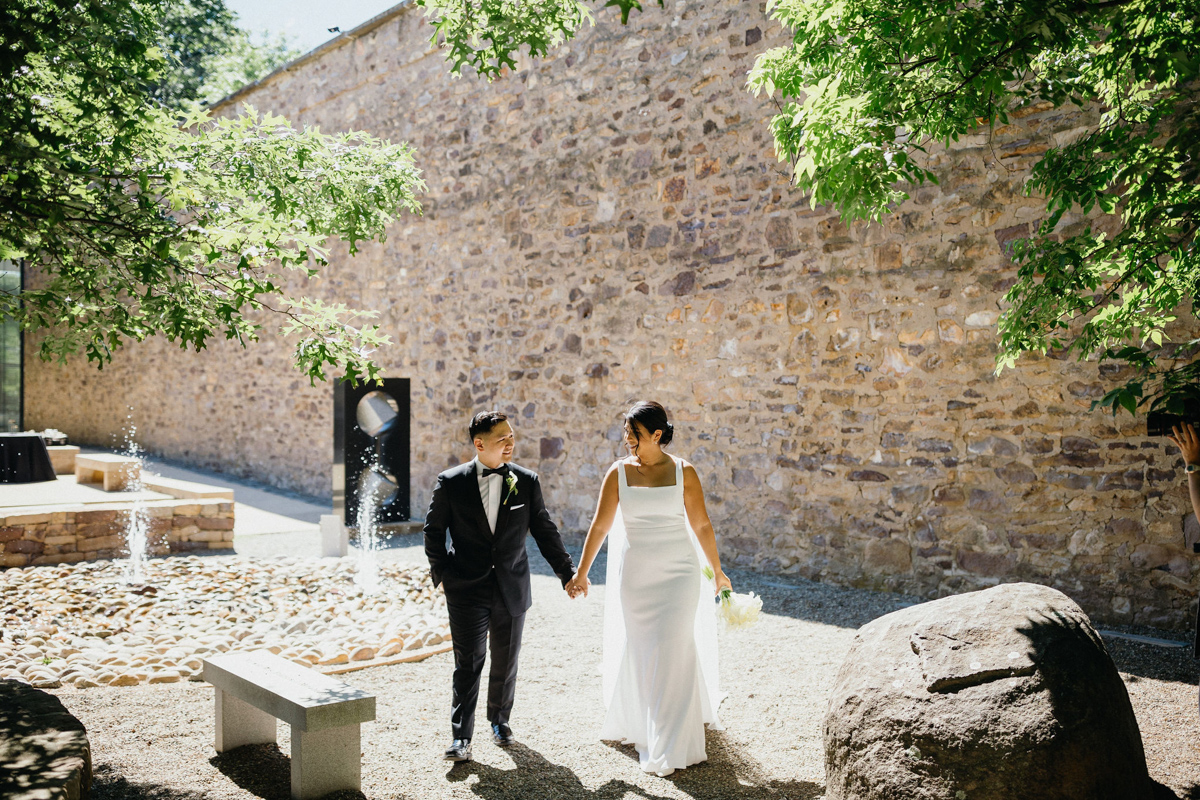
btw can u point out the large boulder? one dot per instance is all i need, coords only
(44, 751)
(1002, 694)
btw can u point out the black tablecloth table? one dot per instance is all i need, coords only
(24, 459)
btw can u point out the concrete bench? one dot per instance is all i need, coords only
(114, 472)
(62, 458)
(254, 689)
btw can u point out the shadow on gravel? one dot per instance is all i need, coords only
(265, 771)
(1138, 660)
(261, 769)
(535, 776)
(729, 774)
(108, 785)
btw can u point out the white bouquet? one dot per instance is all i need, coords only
(736, 610)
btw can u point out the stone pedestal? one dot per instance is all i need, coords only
(334, 537)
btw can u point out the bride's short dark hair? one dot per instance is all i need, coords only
(651, 416)
(484, 421)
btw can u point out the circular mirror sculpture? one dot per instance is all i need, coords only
(376, 488)
(376, 411)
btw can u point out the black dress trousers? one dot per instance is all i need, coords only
(471, 625)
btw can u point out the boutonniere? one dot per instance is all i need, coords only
(511, 481)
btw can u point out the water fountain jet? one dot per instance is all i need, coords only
(377, 413)
(137, 527)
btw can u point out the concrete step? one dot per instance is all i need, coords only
(185, 490)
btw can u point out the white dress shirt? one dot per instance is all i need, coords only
(490, 489)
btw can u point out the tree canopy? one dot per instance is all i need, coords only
(866, 87)
(207, 56)
(243, 60)
(487, 35)
(191, 34)
(141, 220)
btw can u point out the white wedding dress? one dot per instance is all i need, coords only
(660, 630)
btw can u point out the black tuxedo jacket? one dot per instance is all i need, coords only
(464, 570)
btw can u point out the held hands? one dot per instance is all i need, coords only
(578, 585)
(1184, 437)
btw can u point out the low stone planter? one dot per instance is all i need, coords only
(67, 534)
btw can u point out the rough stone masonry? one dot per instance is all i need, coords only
(610, 224)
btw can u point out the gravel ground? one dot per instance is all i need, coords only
(156, 741)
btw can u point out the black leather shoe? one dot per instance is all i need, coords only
(502, 735)
(459, 750)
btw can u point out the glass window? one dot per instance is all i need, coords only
(10, 354)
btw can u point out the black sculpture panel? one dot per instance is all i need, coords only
(371, 449)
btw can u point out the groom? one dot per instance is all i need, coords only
(487, 505)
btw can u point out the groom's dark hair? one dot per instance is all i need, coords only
(484, 421)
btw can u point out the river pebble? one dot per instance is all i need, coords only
(85, 625)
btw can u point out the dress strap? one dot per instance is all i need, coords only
(622, 482)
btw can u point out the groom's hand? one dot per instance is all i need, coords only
(577, 586)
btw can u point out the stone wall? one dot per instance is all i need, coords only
(611, 224)
(67, 534)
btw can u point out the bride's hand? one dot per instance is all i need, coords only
(722, 582)
(578, 585)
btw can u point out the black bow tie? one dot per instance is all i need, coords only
(502, 470)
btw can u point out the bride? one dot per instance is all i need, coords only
(660, 643)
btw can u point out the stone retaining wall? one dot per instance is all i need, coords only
(611, 223)
(69, 534)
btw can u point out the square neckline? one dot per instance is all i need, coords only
(628, 485)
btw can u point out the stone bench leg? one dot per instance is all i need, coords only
(240, 723)
(326, 761)
(118, 480)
